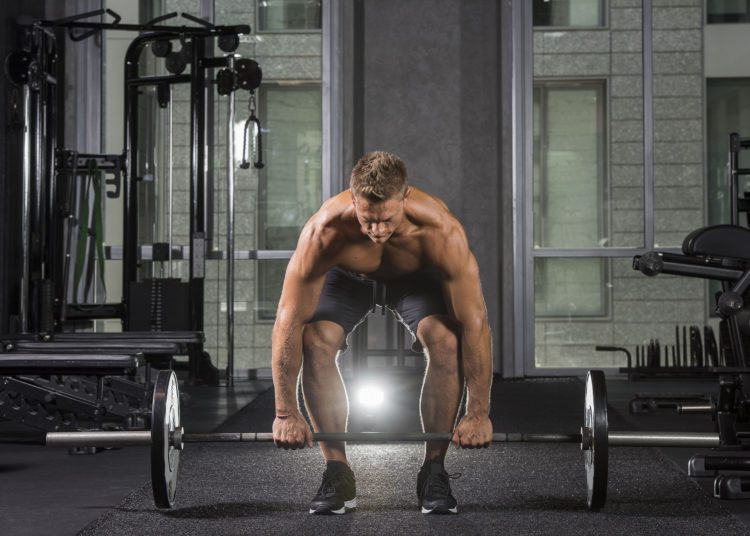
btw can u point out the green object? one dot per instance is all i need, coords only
(85, 232)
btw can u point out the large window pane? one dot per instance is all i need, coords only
(570, 287)
(281, 15)
(562, 13)
(728, 11)
(290, 184)
(727, 111)
(569, 173)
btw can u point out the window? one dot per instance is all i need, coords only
(569, 13)
(567, 287)
(569, 165)
(285, 15)
(727, 111)
(570, 209)
(728, 11)
(290, 183)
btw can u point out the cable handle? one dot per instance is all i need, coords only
(253, 119)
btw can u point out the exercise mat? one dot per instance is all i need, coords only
(508, 488)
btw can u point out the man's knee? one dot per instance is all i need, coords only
(439, 334)
(321, 342)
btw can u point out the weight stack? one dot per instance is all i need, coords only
(159, 305)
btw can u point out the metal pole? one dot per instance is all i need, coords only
(648, 123)
(230, 234)
(663, 439)
(169, 179)
(141, 438)
(128, 438)
(26, 212)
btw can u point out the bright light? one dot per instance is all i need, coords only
(370, 395)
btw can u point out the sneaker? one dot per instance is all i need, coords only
(434, 489)
(337, 493)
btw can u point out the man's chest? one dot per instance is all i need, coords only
(382, 261)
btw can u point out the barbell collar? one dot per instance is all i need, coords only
(687, 408)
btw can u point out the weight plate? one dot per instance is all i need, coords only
(229, 42)
(17, 66)
(175, 63)
(596, 457)
(249, 73)
(165, 418)
(161, 48)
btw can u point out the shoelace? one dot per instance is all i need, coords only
(440, 482)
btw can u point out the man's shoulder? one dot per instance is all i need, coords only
(329, 228)
(431, 213)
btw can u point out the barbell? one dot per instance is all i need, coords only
(167, 438)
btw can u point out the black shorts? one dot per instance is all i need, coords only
(347, 298)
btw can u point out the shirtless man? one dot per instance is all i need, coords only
(382, 241)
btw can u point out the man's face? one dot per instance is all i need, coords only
(379, 220)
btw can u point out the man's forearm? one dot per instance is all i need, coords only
(476, 352)
(286, 365)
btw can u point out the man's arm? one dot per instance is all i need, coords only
(463, 294)
(303, 283)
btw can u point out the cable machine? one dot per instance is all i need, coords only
(51, 214)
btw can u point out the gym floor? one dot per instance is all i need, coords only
(48, 491)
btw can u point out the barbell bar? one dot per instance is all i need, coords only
(167, 438)
(143, 438)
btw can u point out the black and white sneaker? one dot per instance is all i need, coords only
(337, 493)
(434, 489)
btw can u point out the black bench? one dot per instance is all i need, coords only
(155, 353)
(66, 363)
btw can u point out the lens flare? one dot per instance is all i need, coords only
(370, 395)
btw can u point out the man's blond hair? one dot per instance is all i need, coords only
(379, 176)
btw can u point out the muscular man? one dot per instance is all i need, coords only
(387, 243)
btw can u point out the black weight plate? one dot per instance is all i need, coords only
(229, 42)
(175, 63)
(249, 73)
(17, 66)
(165, 459)
(161, 48)
(596, 458)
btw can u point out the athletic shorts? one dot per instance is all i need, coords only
(347, 298)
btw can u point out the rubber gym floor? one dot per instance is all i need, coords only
(255, 488)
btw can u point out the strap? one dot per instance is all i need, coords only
(85, 232)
